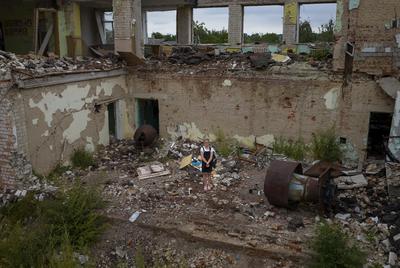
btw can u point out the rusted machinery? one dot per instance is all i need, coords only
(285, 183)
(145, 135)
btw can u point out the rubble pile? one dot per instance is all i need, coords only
(40, 189)
(372, 215)
(192, 60)
(31, 66)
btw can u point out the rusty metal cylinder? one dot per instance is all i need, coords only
(145, 135)
(285, 182)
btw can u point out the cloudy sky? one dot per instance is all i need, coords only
(257, 19)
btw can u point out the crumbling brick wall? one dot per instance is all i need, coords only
(7, 139)
(14, 166)
(371, 27)
(263, 108)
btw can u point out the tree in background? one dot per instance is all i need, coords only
(165, 37)
(325, 34)
(306, 34)
(271, 38)
(202, 35)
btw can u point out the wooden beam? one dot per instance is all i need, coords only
(46, 39)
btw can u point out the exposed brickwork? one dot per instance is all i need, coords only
(376, 50)
(14, 166)
(7, 139)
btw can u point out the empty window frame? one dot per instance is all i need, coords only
(317, 22)
(263, 24)
(210, 25)
(161, 26)
(108, 26)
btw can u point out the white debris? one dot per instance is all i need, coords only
(135, 216)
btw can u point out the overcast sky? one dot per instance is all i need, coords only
(257, 19)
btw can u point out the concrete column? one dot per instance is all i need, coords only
(145, 29)
(290, 22)
(128, 32)
(184, 29)
(235, 28)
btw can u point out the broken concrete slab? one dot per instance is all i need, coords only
(390, 85)
(351, 182)
(152, 171)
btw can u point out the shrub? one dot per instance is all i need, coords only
(79, 217)
(326, 147)
(296, 150)
(332, 248)
(33, 233)
(82, 159)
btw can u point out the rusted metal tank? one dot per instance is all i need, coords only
(285, 182)
(145, 135)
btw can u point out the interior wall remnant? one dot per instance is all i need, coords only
(62, 118)
(90, 32)
(263, 108)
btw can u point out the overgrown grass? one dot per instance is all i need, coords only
(333, 248)
(296, 150)
(325, 146)
(44, 234)
(57, 172)
(225, 146)
(82, 159)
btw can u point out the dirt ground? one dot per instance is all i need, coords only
(230, 226)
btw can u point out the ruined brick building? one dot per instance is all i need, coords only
(47, 111)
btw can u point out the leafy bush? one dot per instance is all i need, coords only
(325, 146)
(33, 233)
(296, 150)
(332, 248)
(82, 159)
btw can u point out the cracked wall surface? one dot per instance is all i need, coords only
(62, 118)
(14, 163)
(263, 109)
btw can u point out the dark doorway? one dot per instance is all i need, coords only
(2, 41)
(379, 131)
(147, 112)
(111, 119)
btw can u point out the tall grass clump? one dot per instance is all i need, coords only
(326, 147)
(82, 159)
(296, 150)
(41, 233)
(333, 248)
(225, 146)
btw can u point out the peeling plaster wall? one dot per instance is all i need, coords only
(62, 118)
(262, 109)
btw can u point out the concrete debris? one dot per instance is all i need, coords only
(392, 259)
(83, 259)
(350, 182)
(390, 85)
(31, 66)
(343, 217)
(193, 60)
(152, 171)
(39, 188)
